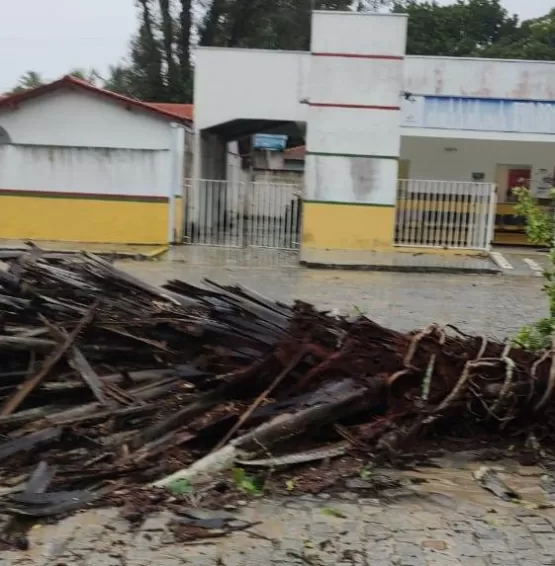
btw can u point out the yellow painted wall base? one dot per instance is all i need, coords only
(513, 239)
(83, 218)
(510, 228)
(345, 226)
(178, 219)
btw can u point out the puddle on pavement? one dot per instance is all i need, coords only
(221, 256)
(454, 478)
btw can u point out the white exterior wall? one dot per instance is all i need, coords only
(78, 119)
(353, 131)
(479, 118)
(368, 82)
(235, 173)
(486, 78)
(484, 99)
(272, 85)
(348, 32)
(353, 128)
(86, 170)
(351, 180)
(247, 84)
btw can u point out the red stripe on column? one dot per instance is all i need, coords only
(359, 56)
(352, 106)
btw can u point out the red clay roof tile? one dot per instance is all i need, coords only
(73, 82)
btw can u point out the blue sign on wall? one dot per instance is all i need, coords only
(479, 114)
(269, 142)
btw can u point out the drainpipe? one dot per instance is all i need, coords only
(176, 164)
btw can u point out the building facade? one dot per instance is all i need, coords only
(372, 115)
(81, 164)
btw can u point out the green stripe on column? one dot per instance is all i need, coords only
(336, 202)
(80, 196)
(355, 155)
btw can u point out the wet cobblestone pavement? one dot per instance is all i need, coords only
(437, 526)
(490, 304)
(449, 522)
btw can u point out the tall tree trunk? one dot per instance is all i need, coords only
(154, 64)
(168, 41)
(211, 30)
(186, 23)
(245, 17)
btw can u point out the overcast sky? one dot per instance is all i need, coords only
(54, 36)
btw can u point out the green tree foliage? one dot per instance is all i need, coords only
(184, 41)
(540, 229)
(122, 80)
(464, 28)
(169, 48)
(159, 67)
(534, 39)
(263, 24)
(475, 28)
(31, 79)
(160, 63)
(88, 75)
(147, 57)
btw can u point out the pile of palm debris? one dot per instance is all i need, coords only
(108, 383)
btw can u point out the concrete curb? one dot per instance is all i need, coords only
(155, 254)
(405, 268)
(10, 253)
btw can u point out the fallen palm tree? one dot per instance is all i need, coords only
(112, 383)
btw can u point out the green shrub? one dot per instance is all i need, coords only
(540, 229)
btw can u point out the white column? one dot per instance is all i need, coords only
(355, 92)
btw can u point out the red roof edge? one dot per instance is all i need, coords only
(72, 82)
(185, 111)
(295, 153)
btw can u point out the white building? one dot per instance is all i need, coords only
(372, 115)
(81, 164)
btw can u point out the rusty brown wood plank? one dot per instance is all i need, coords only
(280, 377)
(35, 379)
(81, 365)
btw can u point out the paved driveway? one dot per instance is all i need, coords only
(449, 521)
(490, 304)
